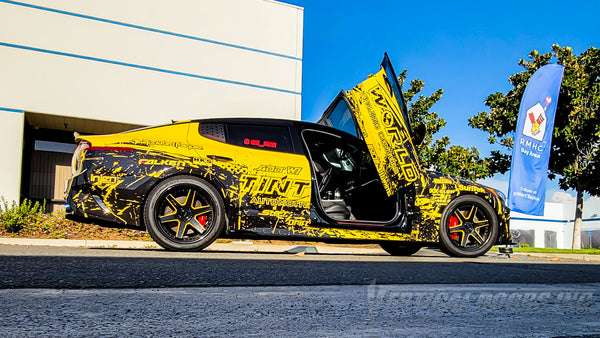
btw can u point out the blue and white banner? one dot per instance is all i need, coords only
(533, 141)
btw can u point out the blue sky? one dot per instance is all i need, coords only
(469, 49)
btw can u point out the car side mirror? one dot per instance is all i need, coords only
(419, 134)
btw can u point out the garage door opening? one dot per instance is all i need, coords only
(47, 149)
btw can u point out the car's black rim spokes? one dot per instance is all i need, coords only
(185, 214)
(469, 227)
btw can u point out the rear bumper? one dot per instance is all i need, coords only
(102, 204)
(103, 223)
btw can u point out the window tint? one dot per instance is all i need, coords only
(341, 118)
(275, 138)
(341, 153)
(395, 86)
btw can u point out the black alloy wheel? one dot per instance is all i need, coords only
(469, 227)
(184, 213)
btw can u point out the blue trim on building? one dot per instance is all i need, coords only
(553, 220)
(154, 30)
(11, 110)
(540, 220)
(119, 63)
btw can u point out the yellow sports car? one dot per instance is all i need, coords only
(352, 177)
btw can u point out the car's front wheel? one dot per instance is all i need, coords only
(184, 213)
(396, 249)
(469, 227)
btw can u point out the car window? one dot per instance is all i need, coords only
(341, 118)
(395, 87)
(344, 154)
(274, 138)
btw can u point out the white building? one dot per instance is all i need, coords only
(106, 66)
(555, 228)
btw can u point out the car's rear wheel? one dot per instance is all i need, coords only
(396, 249)
(184, 213)
(469, 227)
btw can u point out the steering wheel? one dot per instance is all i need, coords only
(340, 159)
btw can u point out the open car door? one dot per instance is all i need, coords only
(382, 118)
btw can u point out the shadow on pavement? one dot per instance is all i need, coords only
(28, 271)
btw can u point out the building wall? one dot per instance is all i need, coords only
(556, 223)
(11, 144)
(80, 64)
(150, 61)
(554, 220)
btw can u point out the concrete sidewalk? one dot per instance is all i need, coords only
(559, 256)
(235, 246)
(261, 246)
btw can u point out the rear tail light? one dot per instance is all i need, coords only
(77, 156)
(111, 148)
(85, 146)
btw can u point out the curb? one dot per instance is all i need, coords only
(236, 246)
(86, 243)
(558, 256)
(250, 246)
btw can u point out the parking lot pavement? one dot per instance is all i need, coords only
(266, 247)
(424, 310)
(108, 291)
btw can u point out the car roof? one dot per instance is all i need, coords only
(251, 120)
(271, 122)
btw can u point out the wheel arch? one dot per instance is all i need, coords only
(485, 195)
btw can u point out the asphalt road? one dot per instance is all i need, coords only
(67, 268)
(53, 291)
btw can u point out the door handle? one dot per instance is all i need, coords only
(220, 158)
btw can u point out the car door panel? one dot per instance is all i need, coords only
(268, 187)
(379, 116)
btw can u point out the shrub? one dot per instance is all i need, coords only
(28, 220)
(16, 217)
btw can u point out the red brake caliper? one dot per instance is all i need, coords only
(202, 220)
(453, 222)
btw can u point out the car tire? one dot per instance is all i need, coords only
(469, 227)
(184, 213)
(396, 249)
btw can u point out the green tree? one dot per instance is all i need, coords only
(576, 137)
(438, 154)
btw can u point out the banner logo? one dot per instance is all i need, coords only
(535, 124)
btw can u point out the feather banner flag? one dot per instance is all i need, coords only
(533, 141)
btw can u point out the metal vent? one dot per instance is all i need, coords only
(215, 131)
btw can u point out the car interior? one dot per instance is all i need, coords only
(348, 183)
